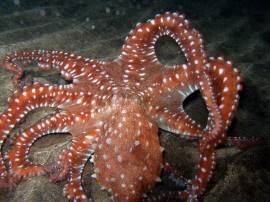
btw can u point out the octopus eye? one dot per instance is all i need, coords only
(194, 105)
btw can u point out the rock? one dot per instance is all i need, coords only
(34, 188)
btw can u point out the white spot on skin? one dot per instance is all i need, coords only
(238, 78)
(120, 125)
(105, 157)
(79, 101)
(239, 86)
(109, 141)
(137, 142)
(164, 80)
(89, 137)
(226, 89)
(184, 66)
(220, 71)
(203, 170)
(119, 158)
(93, 102)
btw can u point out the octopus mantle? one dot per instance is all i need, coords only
(114, 109)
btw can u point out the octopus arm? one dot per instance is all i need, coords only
(80, 151)
(243, 143)
(59, 170)
(138, 52)
(226, 84)
(226, 87)
(167, 108)
(20, 166)
(21, 103)
(69, 65)
(203, 174)
(178, 122)
(206, 88)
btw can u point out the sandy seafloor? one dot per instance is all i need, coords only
(237, 30)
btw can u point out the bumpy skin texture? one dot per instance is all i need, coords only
(114, 109)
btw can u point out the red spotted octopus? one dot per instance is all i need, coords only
(113, 111)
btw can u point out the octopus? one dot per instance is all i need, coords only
(113, 110)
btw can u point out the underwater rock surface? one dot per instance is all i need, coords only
(239, 31)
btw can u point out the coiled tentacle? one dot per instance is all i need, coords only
(29, 99)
